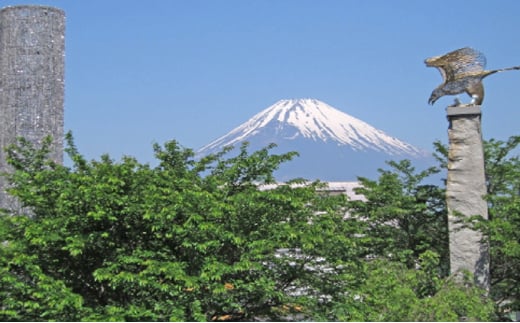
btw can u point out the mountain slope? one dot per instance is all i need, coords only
(332, 144)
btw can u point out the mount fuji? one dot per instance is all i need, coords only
(332, 145)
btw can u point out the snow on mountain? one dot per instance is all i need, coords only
(332, 145)
(315, 120)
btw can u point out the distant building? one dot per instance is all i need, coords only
(347, 188)
(332, 188)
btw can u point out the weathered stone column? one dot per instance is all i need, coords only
(32, 47)
(465, 190)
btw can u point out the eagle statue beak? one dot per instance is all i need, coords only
(432, 99)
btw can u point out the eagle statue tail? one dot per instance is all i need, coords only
(501, 70)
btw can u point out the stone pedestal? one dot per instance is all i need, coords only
(32, 57)
(465, 191)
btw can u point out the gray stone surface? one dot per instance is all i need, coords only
(466, 187)
(463, 110)
(32, 47)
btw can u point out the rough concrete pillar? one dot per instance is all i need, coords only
(32, 47)
(465, 190)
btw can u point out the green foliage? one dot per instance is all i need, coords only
(503, 229)
(502, 169)
(392, 292)
(124, 241)
(403, 217)
(454, 302)
(196, 240)
(26, 292)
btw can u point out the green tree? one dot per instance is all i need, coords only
(503, 228)
(392, 292)
(125, 241)
(206, 240)
(502, 166)
(405, 233)
(403, 217)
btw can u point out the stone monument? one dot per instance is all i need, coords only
(465, 191)
(462, 71)
(32, 47)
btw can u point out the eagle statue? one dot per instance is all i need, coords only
(462, 70)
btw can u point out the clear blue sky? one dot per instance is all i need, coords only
(139, 72)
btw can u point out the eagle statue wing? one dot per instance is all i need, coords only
(458, 63)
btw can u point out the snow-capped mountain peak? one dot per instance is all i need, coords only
(317, 121)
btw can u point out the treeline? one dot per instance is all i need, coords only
(197, 240)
